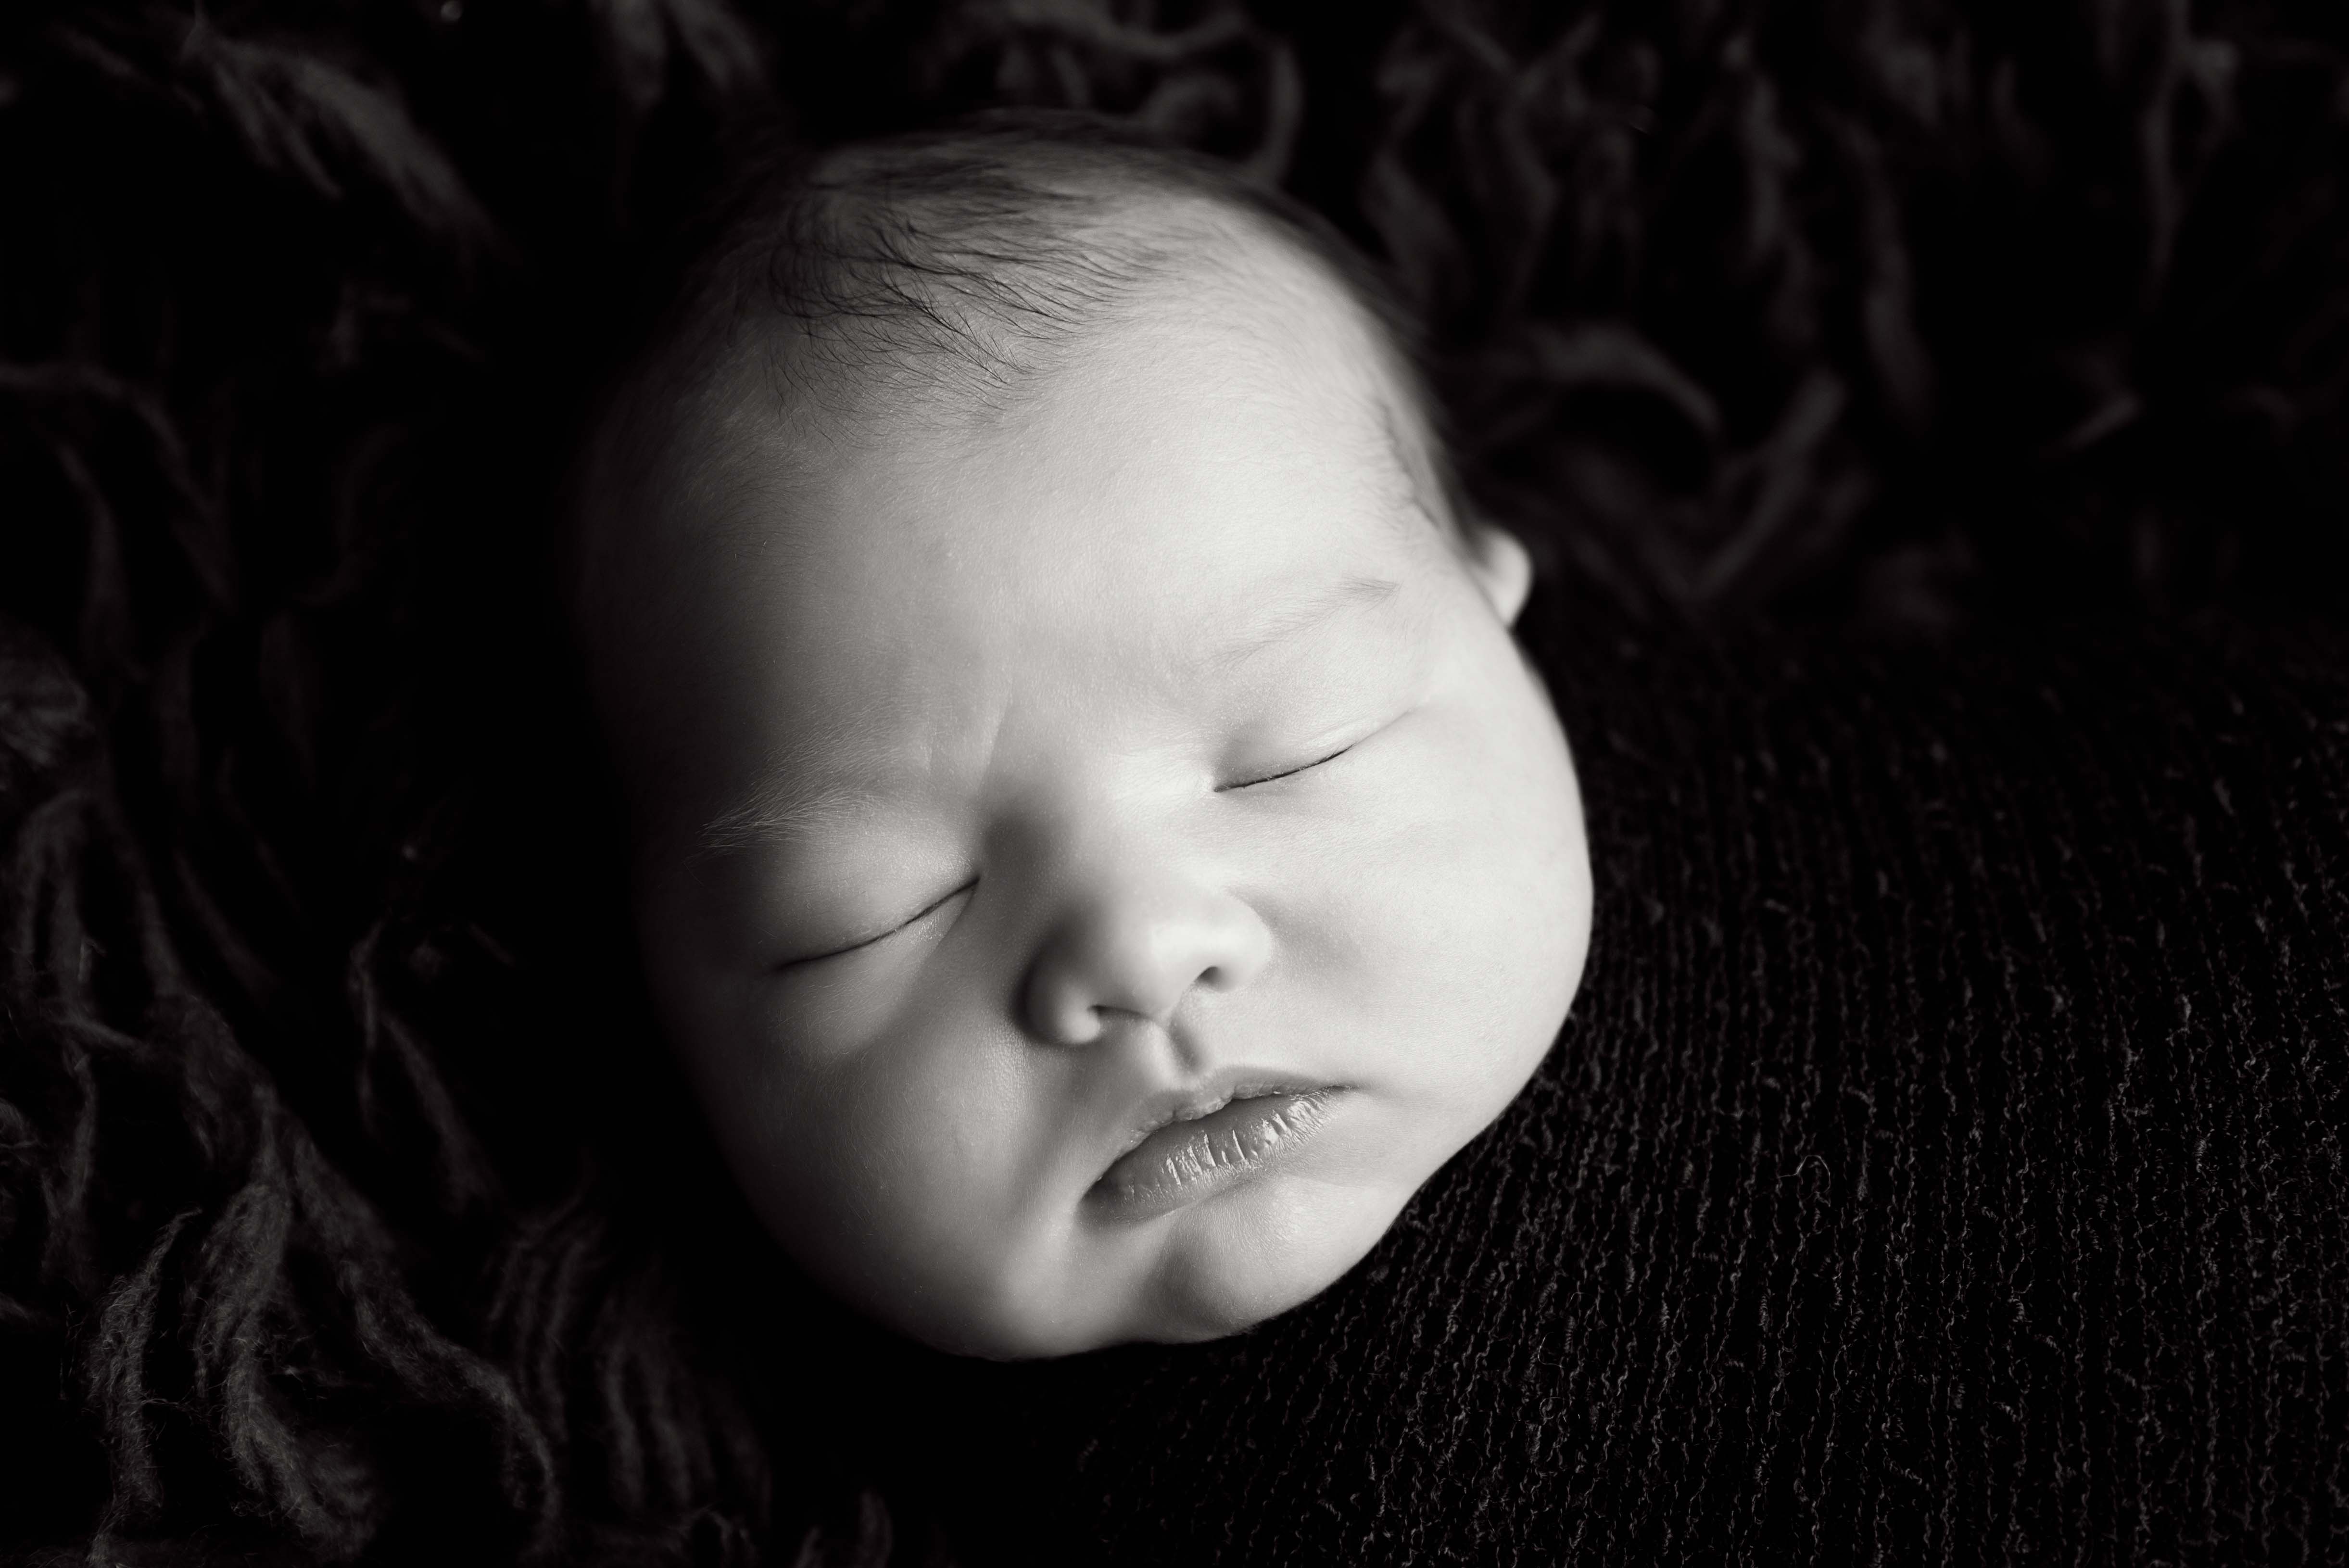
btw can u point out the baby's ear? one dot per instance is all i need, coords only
(1499, 564)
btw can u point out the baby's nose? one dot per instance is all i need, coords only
(1138, 947)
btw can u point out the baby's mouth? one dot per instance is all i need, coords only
(1206, 1150)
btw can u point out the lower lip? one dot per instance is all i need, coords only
(1184, 1161)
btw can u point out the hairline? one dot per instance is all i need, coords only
(1015, 159)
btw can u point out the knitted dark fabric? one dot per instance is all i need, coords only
(1942, 1163)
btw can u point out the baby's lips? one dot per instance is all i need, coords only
(1189, 1157)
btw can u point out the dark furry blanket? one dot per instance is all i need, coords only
(1946, 1150)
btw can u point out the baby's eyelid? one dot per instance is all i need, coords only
(1287, 773)
(1356, 738)
(932, 907)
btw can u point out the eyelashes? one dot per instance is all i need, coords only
(861, 943)
(1286, 772)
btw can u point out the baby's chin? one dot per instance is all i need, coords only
(1244, 1257)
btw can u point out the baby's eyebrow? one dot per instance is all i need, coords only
(820, 781)
(1302, 615)
(771, 815)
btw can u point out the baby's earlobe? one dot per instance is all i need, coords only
(1502, 569)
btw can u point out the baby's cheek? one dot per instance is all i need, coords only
(1472, 862)
(1442, 953)
(1458, 957)
(934, 1136)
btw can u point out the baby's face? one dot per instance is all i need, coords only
(1109, 853)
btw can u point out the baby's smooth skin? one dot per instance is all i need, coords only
(1039, 774)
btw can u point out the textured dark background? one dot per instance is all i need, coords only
(1945, 1159)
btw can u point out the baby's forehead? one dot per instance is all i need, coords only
(1211, 300)
(1207, 296)
(1191, 374)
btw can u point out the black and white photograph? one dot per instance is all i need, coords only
(992, 783)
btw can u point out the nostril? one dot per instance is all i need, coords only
(1084, 1025)
(1135, 956)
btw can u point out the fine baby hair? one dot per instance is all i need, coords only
(1096, 847)
(956, 257)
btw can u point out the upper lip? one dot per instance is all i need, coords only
(1190, 1102)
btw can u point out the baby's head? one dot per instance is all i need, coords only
(1098, 848)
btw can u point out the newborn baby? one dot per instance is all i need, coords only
(1097, 846)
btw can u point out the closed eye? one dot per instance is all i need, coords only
(861, 943)
(1287, 773)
